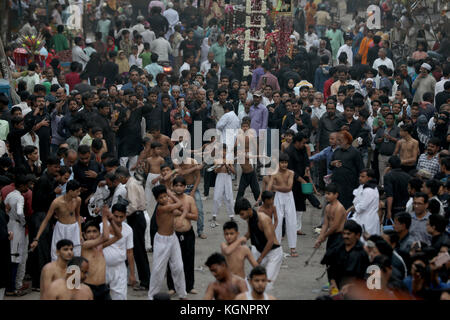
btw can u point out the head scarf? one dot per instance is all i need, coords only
(123, 64)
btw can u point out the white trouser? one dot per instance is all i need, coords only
(66, 231)
(129, 162)
(284, 202)
(2, 293)
(166, 249)
(148, 243)
(116, 278)
(21, 269)
(272, 262)
(299, 220)
(223, 191)
(150, 201)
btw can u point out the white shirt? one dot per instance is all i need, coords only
(148, 36)
(266, 101)
(139, 27)
(162, 48)
(185, 66)
(116, 253)
(135, 61)
(309, 39)
(172, 17)
(26, 140)
(348, 50)
(120, 190)
(229, 121)
(366, 203)
(318, 111)
(80, 56)
(16, 225)
(439, 87)
(242, 115)
(57, 16)
(386, 62)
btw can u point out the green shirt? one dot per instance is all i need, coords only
(219, 54)
(59, 42)
(146, 58)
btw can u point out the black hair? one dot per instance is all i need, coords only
(258, 271)
(352, 226)
(53, 160)
(83, 149)
(434, 206)
(91, 223)
(403, 218)
(215, 258)
(393, 236)
(298, 137)
(332, 188)
(435, 141)
(72, 185)
(97, 144)
(395, 162)
(283, 157)
(241, 204)
(112, 163)
(158, 190)
(165, 165)
(267, 195)
(416, 184)
(29, 149)
(230, 225)
(119, 207)
(179, 179)
(77, 261)
(433, 185)
(63, 243)
(383, 262)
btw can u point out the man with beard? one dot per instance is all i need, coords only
(103, 121)
(258, 282)
(430, 160)
(65, 123)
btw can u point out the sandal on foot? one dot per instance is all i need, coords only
(293, 254)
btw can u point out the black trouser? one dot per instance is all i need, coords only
(209, 181)
(137, 222)
(408, 169)
(101, 292)
(40, 256)
(187, 244)
(12, 281)
(313, 200)
(153, 226)
(246, 180)
(322, 173)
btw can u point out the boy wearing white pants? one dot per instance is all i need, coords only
(166, 247)
(282, 183)
(117, 253)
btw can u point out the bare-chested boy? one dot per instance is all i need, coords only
(246, 143)
(67, 288)
(167, 144)
(227, 285)
(185, 234)
(282, 183)
(166, 248)
(407, 148)
(268, 207)
(258, 283)
(56, 269)
(223, 190)
(190, 170)
(67, 211)
(235, 250)
(153, 168)
(92, 249)
(335, 217)
(179, 124)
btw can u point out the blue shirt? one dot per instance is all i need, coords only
(129, 85)
(327, 154)
(154, 69)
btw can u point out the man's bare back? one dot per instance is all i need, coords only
(166, 144)
(226, 290)
(50, 272)
(59, 290)
(271, 212)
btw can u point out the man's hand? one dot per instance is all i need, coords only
(318, 243)
(91, 174)
(132, 280)
(10, 235)
(336, 163)
(8, 208)
(44, 123)
(58, 190)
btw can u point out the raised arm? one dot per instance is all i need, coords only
(228, 249)
(44, 223)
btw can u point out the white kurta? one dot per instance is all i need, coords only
(348, 50)
(228, 125)
(366, 203)
(16, 224)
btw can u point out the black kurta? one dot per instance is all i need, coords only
(347, 176)
(130, 135)
(298, 162)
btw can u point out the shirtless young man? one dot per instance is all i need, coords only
(235, 250)
(268, 207)
(407, 148)
(92, 249)
(258, 282)
(60, 289)
(67, 211)
(179, 124)
(166, 248)
(265, 246)
(153, 168)
(282, 183)
(223, 190)
(185, 234)
(56, 269)
(335, 217)
(190, 170)
(246, 143)
(167, 144)
(227, 285)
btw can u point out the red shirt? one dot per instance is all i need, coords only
(72, 79)
(327, 88)
(28, 196)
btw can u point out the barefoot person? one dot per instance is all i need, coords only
(282, 183)
(235, 250)
(227, 285)
(166, 247)
(56, 269)
(67, 288)
(265, 246)
(258, 282)
(92, 249)
(335, 216)
(407, 148)
(67, 211)
(185, 234)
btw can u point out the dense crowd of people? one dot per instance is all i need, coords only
(89, 179)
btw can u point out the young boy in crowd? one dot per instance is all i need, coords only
(235, 250)
(153, 168)
(288, 136)
(268, 207)
(282, 183)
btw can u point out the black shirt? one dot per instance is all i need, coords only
(189, 46)
(43, 193)
(396, 186)
(130, 135)
(110, 71)
(257, 237)
(79, 174)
